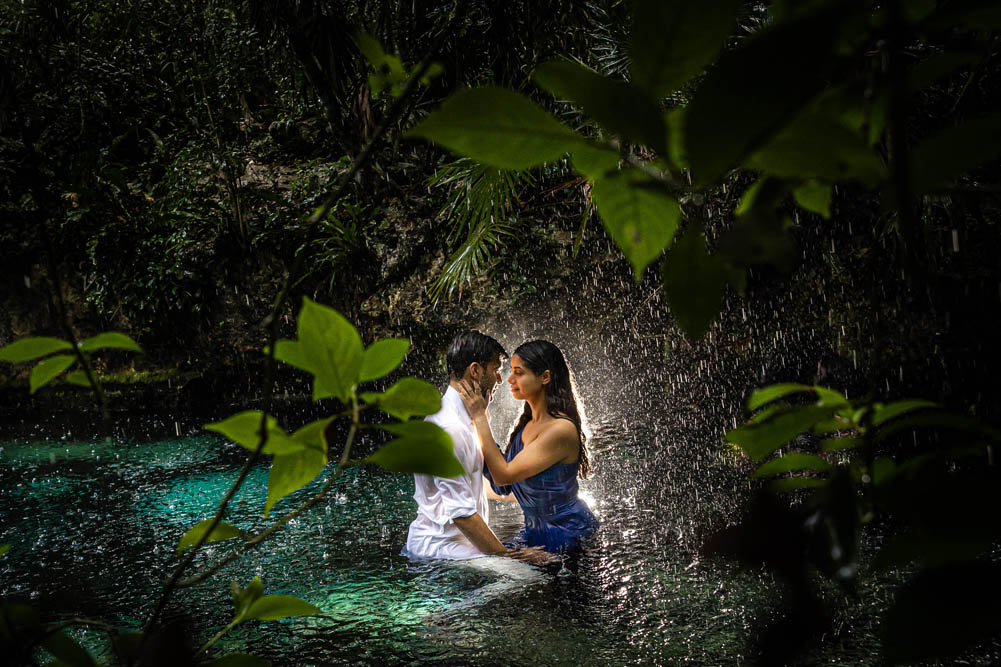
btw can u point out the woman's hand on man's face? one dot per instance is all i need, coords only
(475, 403)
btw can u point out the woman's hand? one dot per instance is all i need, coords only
(476, 404)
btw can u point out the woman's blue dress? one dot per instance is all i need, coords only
(555, 518)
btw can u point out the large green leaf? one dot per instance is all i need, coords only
(817, 146)
(694, 283)
(618, 106)
(46, 370)
(314, 434)
(79, 378)
(795, 483)
(935, 420)
(4, 548)
(760, 238)
(594, 162)
(383, 357)
(276, 607)
(638, 213)
(497, 127)
(760, 439)
(329, 347)
(291, 472)
(409, 397)
(884, 413)
(753, 91)
(110, 339)
(243, 598)
(421, 447)
(28, 349)
(673, 40)
(774, 392)
(243, 428)
(814, 197)
(791, 462)
(222, 531)
(389, 71)
(939, 160)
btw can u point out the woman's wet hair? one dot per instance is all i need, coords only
(469, 347)
(561, 402)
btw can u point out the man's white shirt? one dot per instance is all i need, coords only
(440, 500)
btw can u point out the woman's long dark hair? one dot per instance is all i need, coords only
(540, 356)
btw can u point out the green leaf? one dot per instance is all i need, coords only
(754, 90)
(673, 40)
(791, 462)
(618, 106)
(223, 531)
(594, 162)
(4, 548)
(640, 216)
(817, 146)
(421, 447)
(884, 413)
(383, 357)
(66, 650)
(389, 72)
(110, 339)
(276, 607)
(47, 369)
(245, 598)
(314, 434)
(79, 378)
(497, 127)
(774, 392)
(843, 442)
(759, 238)
(28, 349)
(694, 283)
(795, 483)
(935, 420)
(291, 472)
(760, 439)
(240, 660)
(941, 159)
(244, 429)
(814, 197)
(407, 398)
(329, 347)
(830, 397)
(938, 66)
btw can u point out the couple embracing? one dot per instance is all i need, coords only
(545, 455)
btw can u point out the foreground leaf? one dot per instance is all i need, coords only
(28, 349)
(941, 159)
(760, 439)
(409, 397)
(276, 607)
(497, 127)
(78, 378)
(640, 216)
(290, 472)
(245, 597)
(753, 90)
(421, 447)
(332, 349)
(47, 370)
(774, 392)
(382, 357)
(223, 531)
(243, 428)
(111, 339)
(792, 462)
(617, 106)
(672, 40)
(885, 413)
(694, 283)
(67, 650)
(814, 197)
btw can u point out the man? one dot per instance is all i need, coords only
(452, 513)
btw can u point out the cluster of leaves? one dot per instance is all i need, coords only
(933, 502)
(52, 365)
(331, 350)
(794, 103)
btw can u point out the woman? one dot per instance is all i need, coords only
(546, 452)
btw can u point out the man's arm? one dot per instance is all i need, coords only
(478, 532)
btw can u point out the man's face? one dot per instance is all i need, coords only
(491, 377)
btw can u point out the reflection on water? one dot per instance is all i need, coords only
(93, 526)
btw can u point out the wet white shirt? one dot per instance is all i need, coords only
(433, 534)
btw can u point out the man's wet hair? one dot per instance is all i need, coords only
(468, 347)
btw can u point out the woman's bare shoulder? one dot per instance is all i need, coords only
(562, 428)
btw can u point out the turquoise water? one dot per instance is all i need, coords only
(93, 527)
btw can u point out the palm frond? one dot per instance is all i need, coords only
(482, 212)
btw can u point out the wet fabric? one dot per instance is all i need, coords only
(555, 518)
